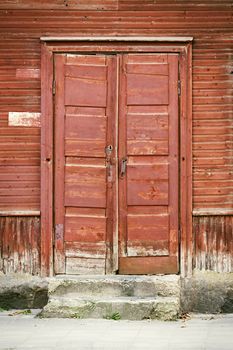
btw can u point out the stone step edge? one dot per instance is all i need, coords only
(122, 308)
(155, 285)
(114, 299)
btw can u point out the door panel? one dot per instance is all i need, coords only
(149, 141)
(83, 121)
(98, 99)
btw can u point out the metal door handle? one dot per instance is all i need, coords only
(123, 167)
(108, 151)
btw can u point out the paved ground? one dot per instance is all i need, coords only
(200, 332)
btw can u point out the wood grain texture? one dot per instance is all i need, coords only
(209, 21)
(84, 119)
(212, 241)
(20, 244)
(149, 180)
(212, 62)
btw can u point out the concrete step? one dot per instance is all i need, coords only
(128, 308)
(113, 297)
(115, 286)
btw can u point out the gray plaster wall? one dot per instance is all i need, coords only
(22, 291)
(207, 292)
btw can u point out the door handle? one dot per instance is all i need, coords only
(108, 151)
(123, 167)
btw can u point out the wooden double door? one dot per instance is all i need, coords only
(116, 163)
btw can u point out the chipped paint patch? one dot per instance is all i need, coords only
(28, 119)
(28, 73)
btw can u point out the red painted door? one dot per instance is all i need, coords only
(116, 164)
(148, 153)
(84, 162)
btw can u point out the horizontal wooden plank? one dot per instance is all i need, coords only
(83, 71)
(147, 248)
(85, 266)
(210, 22)
(154, 69)
(85, 148)
(82, 212)
(213, 212)
(17, 213)
(148, 265)
(85, 250)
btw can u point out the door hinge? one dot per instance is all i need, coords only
(179, 87)
(54, 87)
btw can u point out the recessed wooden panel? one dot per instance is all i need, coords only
(85, 186)
(85, 92)
(147, 134)
(147, 227)
(147, 192)
(85, 127)
(137, 265)
(148, 234)
(147, 127)
(146, 89)
(85, 229)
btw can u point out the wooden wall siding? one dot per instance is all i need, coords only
(19, 146)
(213, 243)
(208, 21)
(20, 244)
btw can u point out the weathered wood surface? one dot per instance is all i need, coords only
(20, 244)
(148, 117)
(83, 120)
(209, 22)
(212, 241)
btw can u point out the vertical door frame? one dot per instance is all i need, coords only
(113, 45)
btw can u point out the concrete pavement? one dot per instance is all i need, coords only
(201, 332)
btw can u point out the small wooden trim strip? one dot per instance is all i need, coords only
(212, 211)
(119, 38)
(19, 213)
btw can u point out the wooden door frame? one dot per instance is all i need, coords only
(112, 45)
